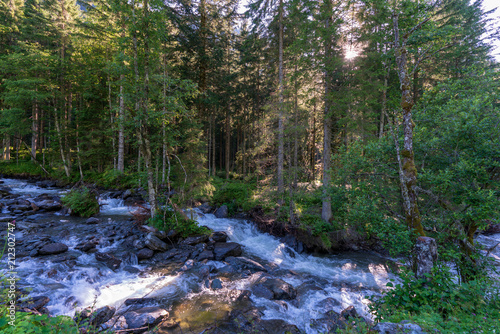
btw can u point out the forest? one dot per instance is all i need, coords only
(349, 124)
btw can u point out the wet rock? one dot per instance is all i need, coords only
(20, 208)
(6, 219)
(146, 317)
(154, 243)
(45, 184)
(49, 205)
(350, 313)
(111, 262)
(5, 191)
(34, 303)
(219, 236)
(87, 246)
(280, 289)
(195, 240)
(140, 301)
(92, 220)
(205, 208)
(145, 253)
(327, 304)
(132, 270)
(53, 248)
(262, 291)
(245, 263)
(115, 324)
(139, 244)
(188, 265)
(216, 284)
(101, 315)
(222, 212)
(393, 328)
(225, 249)
(425, 255)
(205, 255)
(227, 271)
(331, 322)
(127, 194)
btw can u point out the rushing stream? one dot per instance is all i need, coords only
(75, 280)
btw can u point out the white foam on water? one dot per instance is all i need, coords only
(23, 187)
(113, 206)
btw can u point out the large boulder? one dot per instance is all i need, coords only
(34, 303)
(280, 289)
(49, 205)
(154, 243)
(219, 236)
(222, 212)
(145, 318)
(145, 254)
(101, 315)
(53, 248)
(111, 262)
(195, 240)
(226, 249)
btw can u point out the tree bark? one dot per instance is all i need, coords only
(408, 177)
(281, 111)
(326, 211)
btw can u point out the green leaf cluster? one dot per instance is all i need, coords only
(169, 219)
(82, 202)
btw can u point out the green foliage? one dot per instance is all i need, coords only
(439, 302)
(21, 168)
(234, 194)
(82, 202)
(170, 219)
(112, 178)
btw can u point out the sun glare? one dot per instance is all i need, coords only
(350, 54)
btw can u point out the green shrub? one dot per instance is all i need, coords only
(82, 202)
(441, 303)
(172, 220)
(234, 195)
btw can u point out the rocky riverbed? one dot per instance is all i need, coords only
(120, 275)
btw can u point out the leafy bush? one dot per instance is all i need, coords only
(441, 303)
(82, 202)
(234, 195)
(169, 219)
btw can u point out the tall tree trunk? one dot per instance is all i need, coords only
(145, 125)
(281, 107)
(6, 152)
(228, 143)
(326, 212)
(34, 129)
(408, 174)
(384, 100)
(121, 129)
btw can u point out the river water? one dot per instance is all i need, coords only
(346, 279)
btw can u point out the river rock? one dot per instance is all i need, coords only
(222, 212)
(34, 303)
(101, 315)
(5, 191)
(225, 249)
(92, 221)
(245, 263)
(53, 248)
(219, 236)
(331, 322)
(205, 208)
(425, 255)
(145, 254)
(87, 246)
(147, 317)
(45, 184)
(126, 194)
(49, 205)
(140, 301)
(349, 313)
(6, 219)
(393, 328)
(154, 243)
(111, 262)
(205, 255)
(280, 289)
(195, 240)
(116, 323)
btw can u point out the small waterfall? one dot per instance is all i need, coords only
(113, 206)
